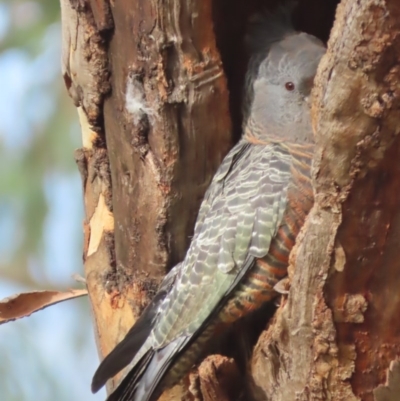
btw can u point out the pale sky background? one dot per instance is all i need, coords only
(51, 355)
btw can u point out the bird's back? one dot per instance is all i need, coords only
(253, 212)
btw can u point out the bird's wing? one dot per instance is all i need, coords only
(239, 216)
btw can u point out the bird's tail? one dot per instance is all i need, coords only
(133, 345)
(142, 383)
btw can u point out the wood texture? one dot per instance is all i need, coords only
(335, 335)
(152, 100)
(220, 379)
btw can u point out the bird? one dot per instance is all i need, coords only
(247, 224)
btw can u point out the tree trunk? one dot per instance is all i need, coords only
(337, 333)
(150, 81)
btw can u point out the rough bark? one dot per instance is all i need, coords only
(153, 105)
(152, 97)
(337, 333)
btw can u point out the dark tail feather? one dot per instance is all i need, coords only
(126, 388)
(126, 350)
(142, 382)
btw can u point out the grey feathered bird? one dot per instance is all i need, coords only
(246, 226)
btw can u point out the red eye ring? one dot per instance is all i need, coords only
(289, 86)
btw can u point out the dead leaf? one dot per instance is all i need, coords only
(23, 305)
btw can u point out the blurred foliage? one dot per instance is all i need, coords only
(28, 22)
(32, 33)
(50, 355)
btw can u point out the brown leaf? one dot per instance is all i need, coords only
(22, 305)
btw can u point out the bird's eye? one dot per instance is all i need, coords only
(289, 86)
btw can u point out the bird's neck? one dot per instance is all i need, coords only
(262, 134)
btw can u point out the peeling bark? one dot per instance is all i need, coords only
(391, 390)
(219, 379)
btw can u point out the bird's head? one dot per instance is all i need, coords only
(279, 83)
